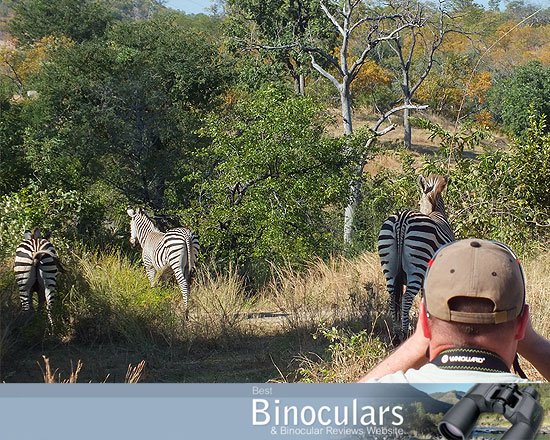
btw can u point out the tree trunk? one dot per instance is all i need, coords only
(355, 187)
(407, 128)
(302, 81)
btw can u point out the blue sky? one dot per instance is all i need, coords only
(189, 6)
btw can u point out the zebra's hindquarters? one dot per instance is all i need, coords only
(36, 268)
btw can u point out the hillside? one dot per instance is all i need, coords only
(450, 397)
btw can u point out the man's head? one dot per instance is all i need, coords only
(474, 295)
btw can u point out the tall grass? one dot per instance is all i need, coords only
(338, 291)
(330, 319)
(537, 274)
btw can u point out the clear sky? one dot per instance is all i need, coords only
(189, 6)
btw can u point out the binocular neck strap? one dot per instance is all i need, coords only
(473, 359)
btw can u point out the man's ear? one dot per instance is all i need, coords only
(423, 318)
(523, 320)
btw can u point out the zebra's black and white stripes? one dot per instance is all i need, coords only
(36, 269)
(178, 249)
(407, 242)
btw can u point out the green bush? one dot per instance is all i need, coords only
(511, 98)
(68, 215)
(271, 175)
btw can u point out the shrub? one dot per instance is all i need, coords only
(68, 215)
(348, 356)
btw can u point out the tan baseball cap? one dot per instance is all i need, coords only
(477, 269)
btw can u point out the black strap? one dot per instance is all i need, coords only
(473, 359)
(517, 368)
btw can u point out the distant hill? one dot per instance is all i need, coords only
(407, 394)
(449, 396)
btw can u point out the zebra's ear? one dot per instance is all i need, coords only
(130, 212)
(28, 235)
(422, 183)
(36, 233)
(47, 235)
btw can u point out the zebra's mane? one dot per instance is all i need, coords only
(149, 220)
(434, 196)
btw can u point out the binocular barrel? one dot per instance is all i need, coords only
(519, 406)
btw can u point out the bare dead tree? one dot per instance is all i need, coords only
(348, 18)
(425, 34)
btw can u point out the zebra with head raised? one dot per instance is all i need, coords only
(36, 269)
(407, 242)
(178, 248)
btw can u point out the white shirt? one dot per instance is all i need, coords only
(432, 373)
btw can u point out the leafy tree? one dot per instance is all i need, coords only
(264, 25)
(511, 98)
(76, 19)
(272, 177)
(13, 167)
(124, 108)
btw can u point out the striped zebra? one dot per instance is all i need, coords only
(36, 269)
(178, 248)
(407, 242)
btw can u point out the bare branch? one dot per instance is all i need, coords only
(324, 72)
(395, 110)
(333, 20)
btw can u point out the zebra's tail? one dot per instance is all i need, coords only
(185, 256)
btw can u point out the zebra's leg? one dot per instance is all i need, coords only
(184, 285)
(151, 272)
(47, 293)
(408, 299)
(27, 308)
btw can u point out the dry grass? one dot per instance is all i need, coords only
(327, 322)
(133, 374)
(218, 307)
(537, 274)
(337, 291)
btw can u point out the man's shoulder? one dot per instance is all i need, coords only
(432, 373)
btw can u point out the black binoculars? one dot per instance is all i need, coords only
(519, 406)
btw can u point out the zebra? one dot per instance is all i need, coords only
(407, 242)
(177, 248)
(36, 269)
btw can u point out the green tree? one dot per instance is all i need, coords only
(14, 169)
(76, 19)
(511, 98)
(272, 179)
(265, 25)
(123, 109)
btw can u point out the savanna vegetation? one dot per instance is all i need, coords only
(283, 133)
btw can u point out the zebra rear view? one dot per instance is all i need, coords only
(36, 269)
(407, 242)
(177, 249)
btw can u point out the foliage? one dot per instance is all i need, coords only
(67, 215)
(418, 420)
(76, 19)
(499, 195)
(124, 109)
(347, 355)
(278, 24)
(13, 166)
(271, 175)
(511, 97)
